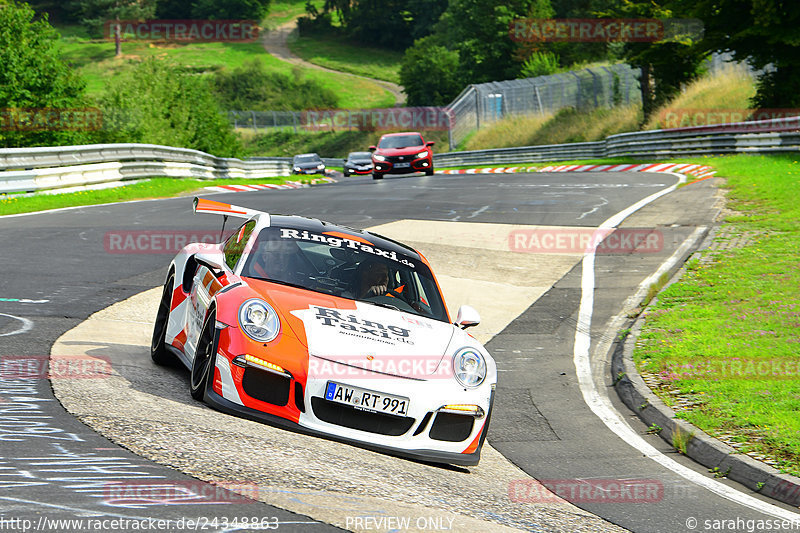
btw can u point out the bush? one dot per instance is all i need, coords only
(539, 64)
(252, 88)
(154, 103)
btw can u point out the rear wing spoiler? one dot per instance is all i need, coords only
(201, 205)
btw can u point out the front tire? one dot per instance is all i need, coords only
(429, 172)
(377, 176)
(204, 358)
(158, 349)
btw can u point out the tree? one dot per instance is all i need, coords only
(230, 9)
(173, 10)
(429, 74)
(97, 15)
(479, 31)
(34, 76)
(665, 66)
(765, 33)
(393, 24)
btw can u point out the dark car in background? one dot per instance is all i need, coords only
(308, 164)
(358, 163)
(402, 153)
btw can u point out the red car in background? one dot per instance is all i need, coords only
(402, 153)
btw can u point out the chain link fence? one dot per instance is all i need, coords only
(485, 103)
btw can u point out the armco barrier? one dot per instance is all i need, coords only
(763, 136)
(34, 169)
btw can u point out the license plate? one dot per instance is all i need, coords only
(402, 165)
(366, 400)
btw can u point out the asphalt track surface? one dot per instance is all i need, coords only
(57, 270)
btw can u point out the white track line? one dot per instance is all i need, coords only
(601, 405)
(27, 325)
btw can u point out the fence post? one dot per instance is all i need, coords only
(477, 109)
(255, 124)
(294, 120)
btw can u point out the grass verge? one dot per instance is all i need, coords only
(338, 53)
(153, 188)
(724, 340)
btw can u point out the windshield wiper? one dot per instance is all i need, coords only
(382, 304)
(287, 283)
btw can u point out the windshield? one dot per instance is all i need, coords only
(345, 267)
(359, 155)
(307, 159)
(400, 141)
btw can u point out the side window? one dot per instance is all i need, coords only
(236, 243)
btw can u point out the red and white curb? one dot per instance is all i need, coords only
(498, 170)
(700, 171)
(265, 186)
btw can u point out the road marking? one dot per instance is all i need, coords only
(23, 300)
(27, 325)
(601, 405)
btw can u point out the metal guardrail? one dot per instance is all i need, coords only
(34, 169)
(774, 135)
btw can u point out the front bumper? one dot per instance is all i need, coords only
(425, 433)
(309, 171)
(417, 165)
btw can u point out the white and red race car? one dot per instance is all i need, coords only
(330, 331)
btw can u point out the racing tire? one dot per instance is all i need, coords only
(204, 358)
(377, 176)
(429, 172)
(158, 349)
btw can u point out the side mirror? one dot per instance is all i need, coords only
(430, 143)
(467, 317)
(373, 148)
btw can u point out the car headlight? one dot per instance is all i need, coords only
(259, 321)
(423, 154)
(379, 157)
(469, 367)
(297, 169)
(321, 166)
